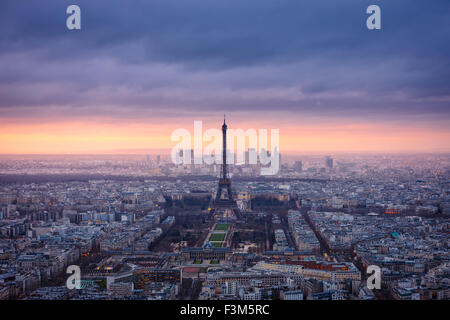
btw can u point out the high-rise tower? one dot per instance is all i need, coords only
(224, 150)
(223, 203)
(329, 162)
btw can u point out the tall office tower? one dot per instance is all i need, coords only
(298, 166)
(223, 205)
(252, 157)
(158, 159)
(329, 162)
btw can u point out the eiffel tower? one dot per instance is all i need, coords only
(223, 204)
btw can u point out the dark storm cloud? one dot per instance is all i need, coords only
(313, 57)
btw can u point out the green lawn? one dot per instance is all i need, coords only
(222, 226)
(217, 244)
(217, 237)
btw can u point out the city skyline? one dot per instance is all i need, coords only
(251, 156)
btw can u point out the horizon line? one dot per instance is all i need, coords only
(168, 151)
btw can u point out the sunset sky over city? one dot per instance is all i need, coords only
(141, 69)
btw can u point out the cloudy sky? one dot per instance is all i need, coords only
(139, 69)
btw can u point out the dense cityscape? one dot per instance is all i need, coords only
(141, 228)
(224, 159)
